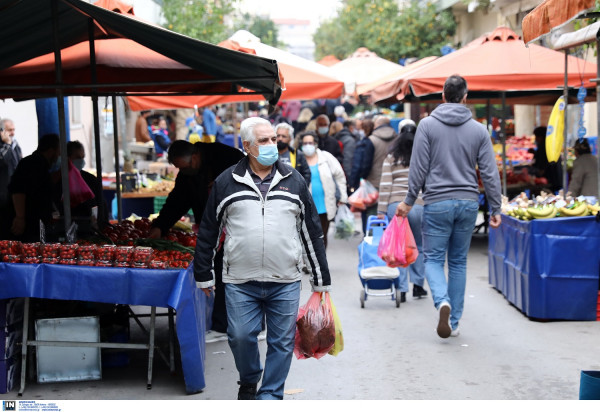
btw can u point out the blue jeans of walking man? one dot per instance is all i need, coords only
(246, 304)
(447, 229)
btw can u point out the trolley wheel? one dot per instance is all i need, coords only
(363, 297)
(398, 297)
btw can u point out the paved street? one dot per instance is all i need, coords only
(390, 353)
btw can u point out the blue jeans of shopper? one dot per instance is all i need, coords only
(417, 269)
(447, 229)
(246, 304)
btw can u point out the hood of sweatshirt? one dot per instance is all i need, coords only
(384, 132)
(452, 114)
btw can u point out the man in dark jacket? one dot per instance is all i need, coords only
(199, 165)
(326, 142)
(32, 190)
(348, 140)
(10, 156)
(287, 153)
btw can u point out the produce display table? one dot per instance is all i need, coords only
(174, 289)
(547, 268)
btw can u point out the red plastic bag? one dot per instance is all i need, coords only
(397, 246)
(80, 191)
(363, 197)
(315, 327)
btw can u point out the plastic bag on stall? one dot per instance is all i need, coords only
(344, 223)
(315, 327)
(397, 246)
(363, 197)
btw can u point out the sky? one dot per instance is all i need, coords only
(313, 10)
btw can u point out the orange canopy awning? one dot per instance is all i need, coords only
(329, 60)
(300, 83)
(551, 14)
(501, 63)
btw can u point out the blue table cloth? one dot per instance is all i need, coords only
(146, 287)
(548, 268)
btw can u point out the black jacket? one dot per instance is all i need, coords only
(329, 144)
(191, 192)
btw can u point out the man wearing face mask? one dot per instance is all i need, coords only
(32, 189)
(326, 142)
(76, 154)
(271, 225)
(287, 153)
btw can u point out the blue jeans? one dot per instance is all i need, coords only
(417, 269)
(447, 229)
(246, 305)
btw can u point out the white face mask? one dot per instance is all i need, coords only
(309, 150)
(323, 130)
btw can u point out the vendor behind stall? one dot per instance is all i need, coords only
(32, 190)
(199, 165)
(584, 178)
(541, 167)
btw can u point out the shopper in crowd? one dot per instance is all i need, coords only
(448, 148)
(160, 136)
(268, 217)
(392, 190)
(199, 165)
(326, 142)
(287, 153)
(327, 181)
(362, 161)
(32, 191)
(10, 156)
(584, 177)
(142, 128)
(541, 167)
(76, 154)
(304, 117)
(346, 136)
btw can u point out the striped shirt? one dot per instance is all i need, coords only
(393, 185)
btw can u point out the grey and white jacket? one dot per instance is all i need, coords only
(266, 240)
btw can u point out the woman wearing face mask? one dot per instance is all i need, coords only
(326, 174)
(76, 154)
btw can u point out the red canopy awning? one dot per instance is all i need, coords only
(501, 63)
(551, 14)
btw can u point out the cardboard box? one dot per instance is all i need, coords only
(11, 311)
(10, 373)
(11, 338)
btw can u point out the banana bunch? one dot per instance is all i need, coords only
(593, 209)
(578, 209)
(542, 212)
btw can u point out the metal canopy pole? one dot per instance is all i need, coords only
(64, 167)
(100, 195)
(503, 141)
(566, 129)
(117, 165)
(598, 105)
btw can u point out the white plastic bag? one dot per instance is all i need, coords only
(344, 223)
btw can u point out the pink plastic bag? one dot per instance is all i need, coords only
(397, 246)
(80, 191)
(315, 327)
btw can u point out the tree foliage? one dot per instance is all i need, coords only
(200, 19)
(262, 27)
(415, 30)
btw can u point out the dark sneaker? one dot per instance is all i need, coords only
(444, 329)
(419, 292)
(402, 297)
(247, 392)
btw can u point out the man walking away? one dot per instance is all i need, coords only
(449, 147)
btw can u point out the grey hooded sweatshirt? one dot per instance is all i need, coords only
(448, 147)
